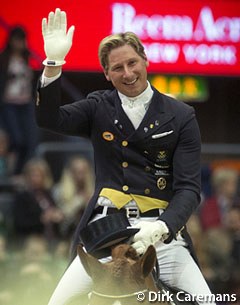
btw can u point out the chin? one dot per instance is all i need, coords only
(132, 92)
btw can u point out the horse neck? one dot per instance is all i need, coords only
(150, 283)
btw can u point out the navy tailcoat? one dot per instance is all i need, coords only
(162, 155)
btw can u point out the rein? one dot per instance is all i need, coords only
(121, 296)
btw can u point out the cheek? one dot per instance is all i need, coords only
(114, 79)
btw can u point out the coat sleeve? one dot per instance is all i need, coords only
(71, 119)
(186, 175)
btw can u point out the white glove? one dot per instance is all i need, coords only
(149, 234)
(57, 41)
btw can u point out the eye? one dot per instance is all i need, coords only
(132, 62)
(116, 69)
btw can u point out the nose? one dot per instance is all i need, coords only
(127, 72)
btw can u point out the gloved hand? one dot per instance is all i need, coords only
(57, 41)
(149, 234)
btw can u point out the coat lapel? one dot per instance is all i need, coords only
(118, 116)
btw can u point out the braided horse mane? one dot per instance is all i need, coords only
(120, 280)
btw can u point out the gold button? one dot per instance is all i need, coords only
(161, 183)
(147, 191)
(124, 164)
(125, 188)
(124, 143)
(147, 169)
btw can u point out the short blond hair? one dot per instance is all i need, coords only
(118, 40)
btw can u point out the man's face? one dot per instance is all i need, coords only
(127, 71)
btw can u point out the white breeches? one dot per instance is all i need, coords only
(177, 269)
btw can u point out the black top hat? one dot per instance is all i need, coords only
(106, 231)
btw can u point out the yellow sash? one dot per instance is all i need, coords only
(119, 199)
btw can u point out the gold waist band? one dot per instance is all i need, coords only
(120, 199)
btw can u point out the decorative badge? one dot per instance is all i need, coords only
(162, 154)
(108, 136)
(161, 183)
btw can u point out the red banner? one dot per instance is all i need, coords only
(188, 37)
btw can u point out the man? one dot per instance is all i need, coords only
(147, 154)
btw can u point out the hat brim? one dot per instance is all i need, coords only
(106, 232)
(114, 238)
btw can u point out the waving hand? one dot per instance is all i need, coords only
(57, 40)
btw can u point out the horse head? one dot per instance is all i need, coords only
(123, 278)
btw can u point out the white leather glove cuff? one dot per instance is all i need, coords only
(160, 231)
(53, 63)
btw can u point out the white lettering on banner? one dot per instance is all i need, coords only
(181, 28)
(155, 27)
(214, 54)
(162, 52)
(174, 27)
(224, 29)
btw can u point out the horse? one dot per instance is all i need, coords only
(125, 280)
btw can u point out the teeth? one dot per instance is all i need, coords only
(131, 82)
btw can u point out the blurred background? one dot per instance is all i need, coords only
(46, 179)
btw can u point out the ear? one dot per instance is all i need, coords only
(90, 263)
(148, 261)
(146, 60)
(106, 74)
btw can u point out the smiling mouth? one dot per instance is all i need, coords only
(131, 83)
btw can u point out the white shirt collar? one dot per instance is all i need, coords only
(142, 99)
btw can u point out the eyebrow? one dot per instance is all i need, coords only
(120, 64)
